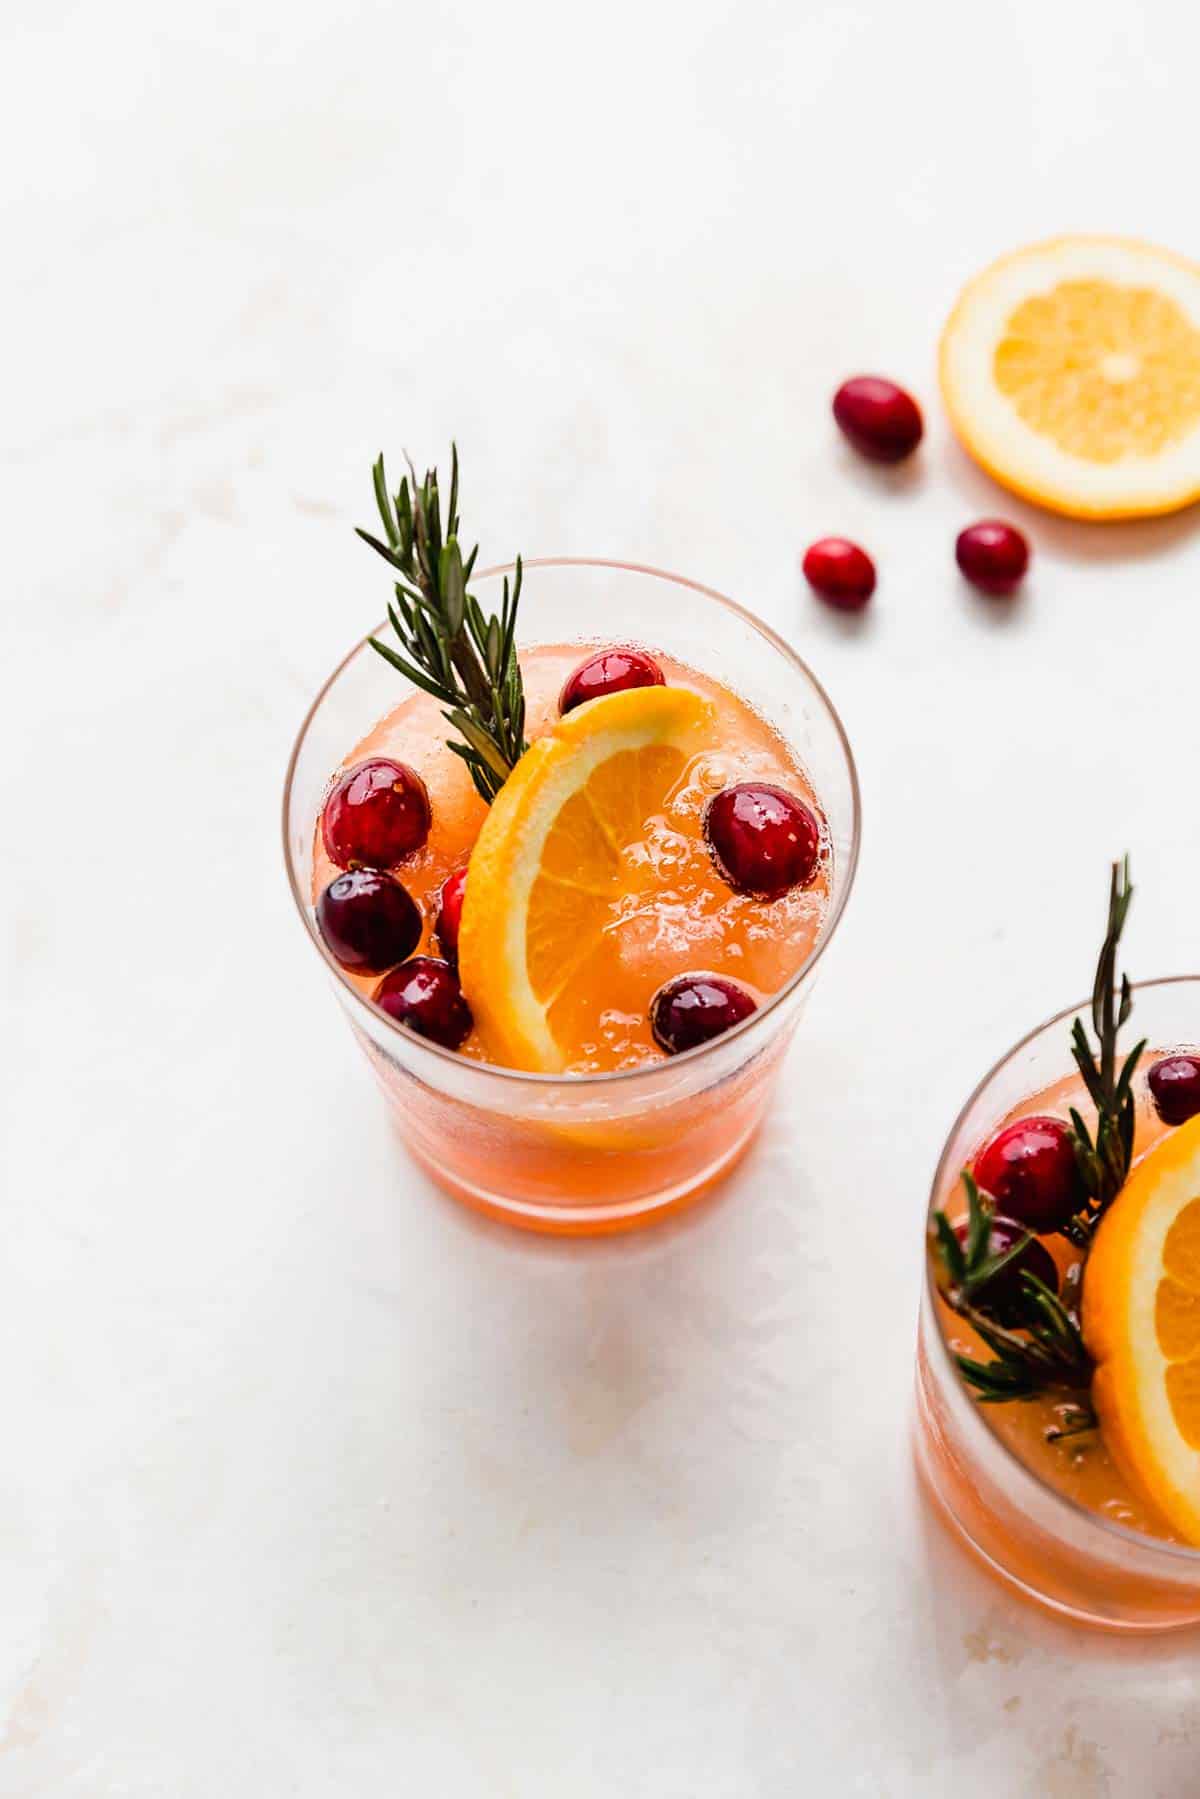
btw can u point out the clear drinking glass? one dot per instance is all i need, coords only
(570, 1153)
(1073, 1560)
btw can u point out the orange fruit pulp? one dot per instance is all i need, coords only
(678, 915)
(1142, 1324)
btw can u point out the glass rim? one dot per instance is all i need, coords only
(749, 1027)
(1184, 1552)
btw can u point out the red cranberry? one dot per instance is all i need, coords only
(880, 419)
(1029, 1168)
(449, 916)
(425, 997)
(694, 1008)
(762, 839)
(612, 671)
(992, 555)
(840, 572)
(1002, 1297)
(368, 920)
(376, 815)
(1175, 1088)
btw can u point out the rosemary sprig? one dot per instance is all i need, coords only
(451, 650)
(1104, 1157)
(1042, 1349)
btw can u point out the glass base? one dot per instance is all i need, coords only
(591, 1219)
(1069, 1580)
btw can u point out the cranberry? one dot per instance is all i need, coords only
(612, 671)
(879, 418)
(1029, 1168)
(693, 1008)
(1002, 1298)
(762, 839)
(1175, 1088)
(840, 572)
(424, 995)
(368, 920)
(992, 555)
(449, 913)
(376, 815)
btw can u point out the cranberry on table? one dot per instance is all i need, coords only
(377, 814)
(611, 671)
(368, 920)
(882, 421)
(762, 839)
(1174, 1083)
(992, 555)
(449, 913)
(840, 572)
(1002, 1298)
(1029, 1168)
(695, 1008)
(424, 996)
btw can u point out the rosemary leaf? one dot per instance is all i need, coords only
(406, 669)
(383, 503)
(383, 549)
(951, 1249)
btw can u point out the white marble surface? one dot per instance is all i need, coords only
(311, 1485)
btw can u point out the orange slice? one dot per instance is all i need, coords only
(1071, 371)
(1141, 1321)
(554, 857)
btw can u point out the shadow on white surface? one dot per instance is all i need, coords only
(1094, 1714)
(1107, 541)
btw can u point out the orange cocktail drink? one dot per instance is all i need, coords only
(566, 1102)
(1063, 1491)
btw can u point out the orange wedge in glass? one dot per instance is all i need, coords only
(556, 858)
(1141, 1321)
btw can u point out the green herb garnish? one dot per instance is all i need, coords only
(1042, 1348)
(1104, 1158)
(452, 650)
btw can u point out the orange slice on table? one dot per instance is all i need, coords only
(551, 864)
(1071, 371)
(1141, 1321)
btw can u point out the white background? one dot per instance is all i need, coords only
(309, 1484)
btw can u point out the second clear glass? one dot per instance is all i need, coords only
(1067, 1557)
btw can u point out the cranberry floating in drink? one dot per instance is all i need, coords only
(695, 1008)
(424, 996)
(763, 840)
(368, 920)
(611, 671)
(1031, 1171)
(1004, 1296)
(449, 913)
(1174, 1083)
(377, 814)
